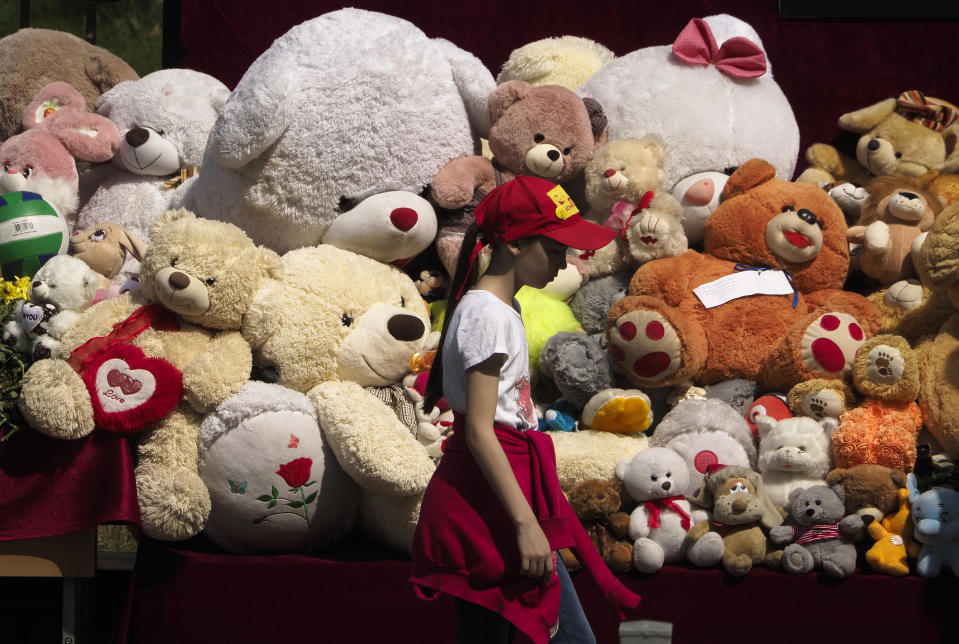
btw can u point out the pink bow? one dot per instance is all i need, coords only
(738, 57)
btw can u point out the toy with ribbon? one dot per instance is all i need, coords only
(737, 57)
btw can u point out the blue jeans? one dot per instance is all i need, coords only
(478, 625)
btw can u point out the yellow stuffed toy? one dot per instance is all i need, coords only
(894, 541)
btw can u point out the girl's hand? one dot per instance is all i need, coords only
(534, 551)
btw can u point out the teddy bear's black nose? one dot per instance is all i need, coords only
(667, 485)
(553, 155)
(873, 145)
(137, 137)
(179, 280)
(36, 284)
(909, 195)
(810, 512)
(405, 327)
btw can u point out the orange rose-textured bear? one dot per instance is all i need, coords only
(662, 334)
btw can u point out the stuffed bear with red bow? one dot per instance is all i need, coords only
(763, 302)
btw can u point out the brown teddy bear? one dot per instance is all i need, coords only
(821, 398)
(896, 211)
(871, 490)
(938, 386)
(547, 132)
(907, 135)
(679, 323)
(597, 503)
(884, 427)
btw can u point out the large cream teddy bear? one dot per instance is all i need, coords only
(164, 120)
(205, 272)
(335, 130)
(710, 96)
(341, 328)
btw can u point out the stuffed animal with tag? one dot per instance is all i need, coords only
(153, 360)
(57, 131)
(59, 292)
(763, 301)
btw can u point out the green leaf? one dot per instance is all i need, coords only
(309, 484)
(264, 498)
(275, 491)
(271, 504)
(310, 498)
(295, 504)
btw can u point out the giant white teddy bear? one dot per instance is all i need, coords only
(164, 120)
(711, 97)
(335, 130)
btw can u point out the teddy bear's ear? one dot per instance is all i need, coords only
(597, 120)
(104, 104)
(505, 95)
(794, 494)
(656, 148)
(950, 136)
(218, 97)
(898, 478)
(865, 119)
(167, 218)
(840, 492)
(836, 476)
(621, 468)
(765, 424)
(49, 102)
(753, 173)
(829, 425)
(271, 266)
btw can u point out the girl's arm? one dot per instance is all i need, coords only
(482, 386)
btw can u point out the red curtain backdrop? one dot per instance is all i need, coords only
(825, 68)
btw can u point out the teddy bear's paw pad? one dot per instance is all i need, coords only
(648, 556)
(651, 235)
(623, 412)
(646, 345)
(904, 294)
(829, 344)
(877, 235)
(885, 365)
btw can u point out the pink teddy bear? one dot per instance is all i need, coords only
(57, 130)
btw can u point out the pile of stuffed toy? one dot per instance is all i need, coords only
(756, 371)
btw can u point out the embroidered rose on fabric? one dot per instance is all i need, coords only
(296, 474)
(524, 402)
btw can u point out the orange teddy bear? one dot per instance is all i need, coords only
(883, 429)
(766, 236)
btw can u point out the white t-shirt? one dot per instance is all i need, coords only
(482, 326)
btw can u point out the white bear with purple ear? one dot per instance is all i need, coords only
(794, 453)
(334, 132)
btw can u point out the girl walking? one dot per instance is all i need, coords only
(493, 514)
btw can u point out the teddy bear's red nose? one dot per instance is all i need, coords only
(403, 218)
(610, 172)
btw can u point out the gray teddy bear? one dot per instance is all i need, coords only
(819, 536)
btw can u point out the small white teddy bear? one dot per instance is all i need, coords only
(658, 478)
(62, 289)
(794, 453)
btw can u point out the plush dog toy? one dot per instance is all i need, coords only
(741, 514)
(104, 248)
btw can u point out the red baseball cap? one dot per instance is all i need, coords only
(529, 206)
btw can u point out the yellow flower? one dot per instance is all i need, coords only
(17, 289)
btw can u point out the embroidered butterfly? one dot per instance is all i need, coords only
(237, 488)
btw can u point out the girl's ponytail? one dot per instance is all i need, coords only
(463, 278)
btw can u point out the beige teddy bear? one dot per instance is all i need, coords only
(341, 328)
(625, 189)
(205, 272)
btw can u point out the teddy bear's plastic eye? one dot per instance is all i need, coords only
(566, 151)
(818, 502)
(653, 477)
(160, 132)
(6, 167)
(802, 448)
(807, 504)
(623, 169)
(402, 301)
(898, 155)
(787, 208)
(538, 138)
(26, 172)
(668, 474)
(345, 204)
(346, 319)
(210, 281)
(98, 235)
